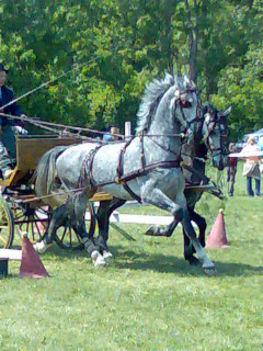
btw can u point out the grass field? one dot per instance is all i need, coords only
(149, 298)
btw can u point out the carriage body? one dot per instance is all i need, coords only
(20, 210)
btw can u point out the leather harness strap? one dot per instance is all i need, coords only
(89, 157)
(121, 178)
(124, 178)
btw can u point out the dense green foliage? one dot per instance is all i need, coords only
(120, 45)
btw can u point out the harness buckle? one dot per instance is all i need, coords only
(118, 180)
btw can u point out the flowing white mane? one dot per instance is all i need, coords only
(150, 100)
(153, 93)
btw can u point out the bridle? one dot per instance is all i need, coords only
(211, 124)
(183, 103)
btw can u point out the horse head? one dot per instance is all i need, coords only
(168, 106)
(186, 103)
(215, 135)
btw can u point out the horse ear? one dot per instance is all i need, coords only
(186, 78)
(207, 118)
(227, 112)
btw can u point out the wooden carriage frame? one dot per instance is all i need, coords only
(19, 211)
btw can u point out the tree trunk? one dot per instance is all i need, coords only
(193, 39)
(168, 34)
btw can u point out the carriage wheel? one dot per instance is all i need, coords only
(68, 239)
(6, 225)
(32, 221)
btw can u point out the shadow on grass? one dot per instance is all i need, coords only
(129, 259)
(171, 264)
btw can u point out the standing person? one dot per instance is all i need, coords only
(7, 136)
(251, 167)
(231, 171)
(114, 132)
(107, 136)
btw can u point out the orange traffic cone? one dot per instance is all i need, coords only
(31, 265)
(217, 238)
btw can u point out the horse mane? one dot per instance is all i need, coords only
(153, 92)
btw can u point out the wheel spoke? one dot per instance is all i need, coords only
(38, 230)
(6, 223)
(78, 237)
(3, 240)
(32, 230)
(27, 227)
(63, 235)
(70, 237)
(18, 216)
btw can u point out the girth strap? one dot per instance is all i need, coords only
(120, 179)
(89, 157)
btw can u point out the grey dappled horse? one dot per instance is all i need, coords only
(194, 154)
(196, 172)
(146, 167)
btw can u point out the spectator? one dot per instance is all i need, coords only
(251, 167)
(231, 171)
(114, 132)
(107, 136)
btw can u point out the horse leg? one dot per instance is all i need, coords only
(189, 250)
(90, 246)
(79, 211)
(201, 223)
(200, 252)
(58, 218)
(156, 197)
(104, 212)
(167, 231)
(188, 247)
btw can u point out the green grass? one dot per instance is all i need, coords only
(149, 298)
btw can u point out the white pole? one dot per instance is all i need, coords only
(127, 129)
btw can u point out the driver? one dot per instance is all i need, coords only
(7, 136)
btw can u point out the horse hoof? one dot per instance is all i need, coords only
(40, 247)
(97, 259)
(152, 230)
(210, 271)
(193, 261)
(107, 255)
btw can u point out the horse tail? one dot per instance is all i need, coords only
(45, 172)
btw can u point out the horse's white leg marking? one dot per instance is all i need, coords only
(97, 259)
(107, 255)
(41, 247)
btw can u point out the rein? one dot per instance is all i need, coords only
(121, 178)
(45, 125)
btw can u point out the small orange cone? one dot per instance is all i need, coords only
(217, 238)
(31, 265)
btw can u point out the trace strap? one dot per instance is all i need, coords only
(121, 178)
